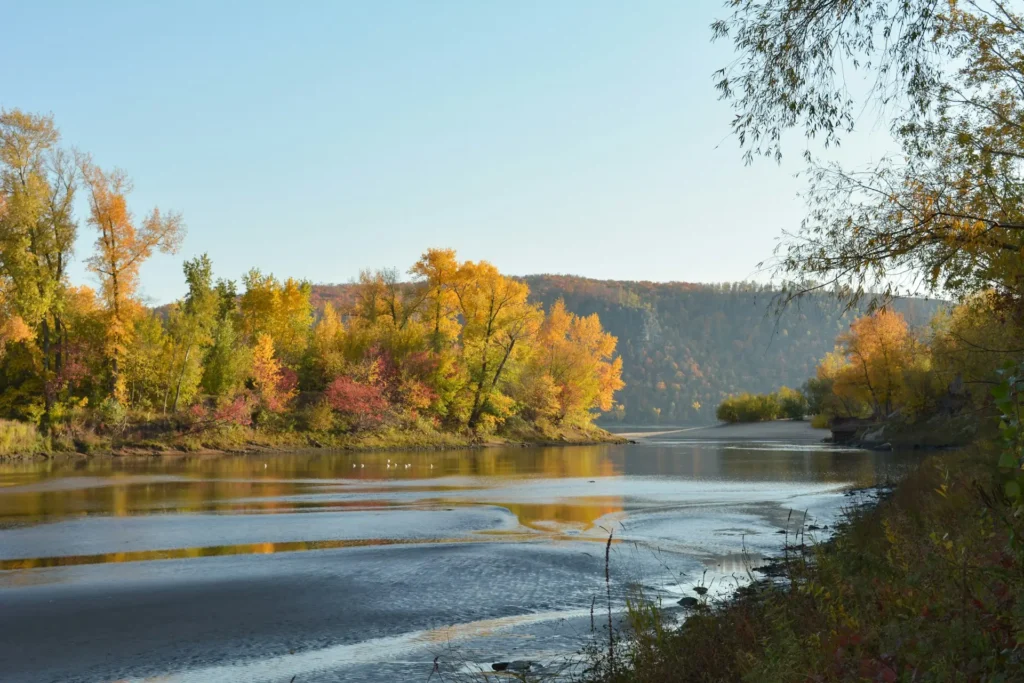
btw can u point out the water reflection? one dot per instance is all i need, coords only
(558, 501)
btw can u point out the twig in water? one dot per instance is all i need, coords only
(608, 588)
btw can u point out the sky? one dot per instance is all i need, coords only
(314, 139)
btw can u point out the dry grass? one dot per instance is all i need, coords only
(928, 586)
(18, 439)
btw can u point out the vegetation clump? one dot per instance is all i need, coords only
(927, 586)
(456, 347)
(784, 403)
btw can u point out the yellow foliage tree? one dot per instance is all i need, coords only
(281, 309)
(578, 357)
(268, 377)
(498, 321)
(876, 352)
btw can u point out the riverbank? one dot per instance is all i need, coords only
(243, 440)
(789, 431)
(924, 586)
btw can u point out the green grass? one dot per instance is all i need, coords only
(928, 586)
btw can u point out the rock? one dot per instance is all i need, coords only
(700, 590)
(781, 531)
(500, 666)
(813, 527)
(520, 665)
(689, 603)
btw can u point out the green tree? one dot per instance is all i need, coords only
(37, 234)
(191, 325)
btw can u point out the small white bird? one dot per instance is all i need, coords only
(362, 465)
(264, 465)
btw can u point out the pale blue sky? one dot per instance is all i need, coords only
(315, 139)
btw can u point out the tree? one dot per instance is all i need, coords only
(438, 270)
(878, 349)
(498, 319)
(280, 309)
(227, 362)
(327, 348)
(578, 357)
(269, 378)
(946, 209)
(121, 249)
(37, 234)
(191, 325)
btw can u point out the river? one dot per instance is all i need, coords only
(367, 566)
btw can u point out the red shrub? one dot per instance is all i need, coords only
(237, 412)
(365, 403)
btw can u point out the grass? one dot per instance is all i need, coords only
(927, 586)
(18, 438)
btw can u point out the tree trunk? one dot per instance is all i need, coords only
(181, 378)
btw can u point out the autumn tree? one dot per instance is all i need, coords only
(437, 271)
(386, 313)
(37, 235)
(498, 321)
(269, 378)
(279, 309)
(121, 249)
(326, 356)
(878, 349)
(577, 358)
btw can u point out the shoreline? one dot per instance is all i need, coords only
(307, 442)
(799, 431)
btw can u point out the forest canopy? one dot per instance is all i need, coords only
(448, 345)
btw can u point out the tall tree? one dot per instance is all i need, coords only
(438, 270)
(498, 320)
(191, 328)
(37, 232)
(121, 249)
(279, 309)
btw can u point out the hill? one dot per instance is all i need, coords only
(686, 346)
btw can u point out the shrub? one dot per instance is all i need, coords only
(238, 411)
(320, 417)
(749, 408)
(792, 403)
(18, 438)
(821, 421)
(112, 415)
(361, 404)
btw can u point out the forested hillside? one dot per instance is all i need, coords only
(686, 346)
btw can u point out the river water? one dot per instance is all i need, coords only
(337, 567)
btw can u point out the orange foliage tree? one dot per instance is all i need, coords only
(121, 249)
